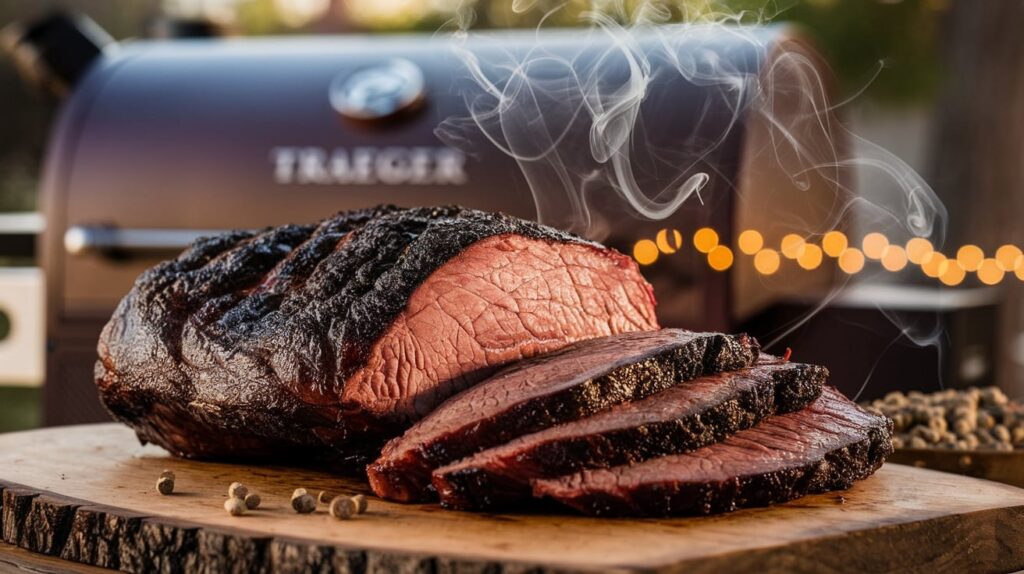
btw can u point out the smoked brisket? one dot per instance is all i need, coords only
(679, 419)
(826, 446)
(559, 387)
(270, 343)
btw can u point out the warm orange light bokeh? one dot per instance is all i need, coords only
(766, 261)
(705, 239)
(834, 242)
(851, 260)
(750, 241)
(894, 258)
(874, 245)
(645, 252)
(918, 248)
(792, 246)
(720, 258)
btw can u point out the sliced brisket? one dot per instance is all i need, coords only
(826, 446)
(678, 419)
(533, 395)
(346, 332)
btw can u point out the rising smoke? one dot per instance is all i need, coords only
(570, 109)
(586, 118)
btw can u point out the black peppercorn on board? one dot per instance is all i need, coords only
(88, 494)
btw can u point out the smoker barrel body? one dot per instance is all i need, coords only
(160, 141)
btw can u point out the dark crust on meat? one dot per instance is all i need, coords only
(407, 476)
(142, 376)
(442, 240)
(291, 311)
(482, 483)
(838, 469)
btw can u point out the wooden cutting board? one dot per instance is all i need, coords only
(1000, 466)
(87, 494)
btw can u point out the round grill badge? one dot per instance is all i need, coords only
(379, 91)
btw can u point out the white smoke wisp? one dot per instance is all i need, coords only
(587, 117)
(570, 110)
(570, 116)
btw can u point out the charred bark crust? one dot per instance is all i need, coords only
(482, 487)
(836, 470)
(712, 353)
(284, 309)
(123, 540)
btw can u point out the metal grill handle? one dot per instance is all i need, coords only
(88, 239)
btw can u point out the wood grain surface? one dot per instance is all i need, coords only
(87, 494)
(14, 560)
(1005, 467)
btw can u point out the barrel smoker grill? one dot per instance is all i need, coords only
(159, 142)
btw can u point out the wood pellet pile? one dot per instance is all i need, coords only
(961, 419)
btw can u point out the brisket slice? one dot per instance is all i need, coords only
(679, 419)
(826, 446)
(533, 395)
(348, 331)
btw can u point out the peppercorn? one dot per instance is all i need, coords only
(343, 507)
(324, 497)
(895, 398)
(938, 424)
(235, 506)
(252, 501)
(165, 485)
(237, 490)
(1010, 419)
(986, 420)
(304, 503)
(298, 492)
(361, 503)
(167, 474)
(962, 428)
(1001, 433)
(994, 396)
(927, 434)
(972, 440)
(1018, 434)
(984, 437)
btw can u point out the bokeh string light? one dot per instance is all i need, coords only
(876, 248)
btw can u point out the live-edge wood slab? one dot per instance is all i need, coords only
(86, 494)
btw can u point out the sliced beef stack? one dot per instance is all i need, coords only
(827, 446)
(348, 331)
(679, 419)
(643, 424)
(577, 381)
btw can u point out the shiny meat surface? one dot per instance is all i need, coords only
(502, 299)
(531, 395)
(343, 333)
(678, 419)
(826, 446)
